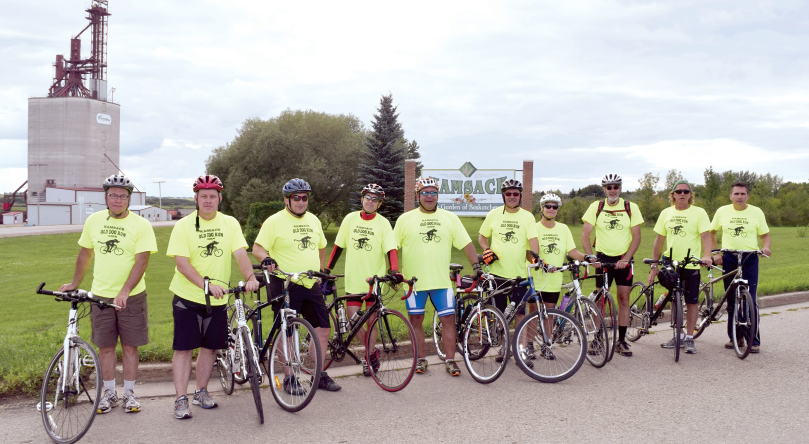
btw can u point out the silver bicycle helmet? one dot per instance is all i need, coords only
(510, 184)
(118, 181)
(296, 186)
(373, 189)
(611, 179)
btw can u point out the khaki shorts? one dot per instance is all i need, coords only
(131, 323)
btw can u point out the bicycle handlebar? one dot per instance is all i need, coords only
(75, 295)
(411, 283)
(728, 250)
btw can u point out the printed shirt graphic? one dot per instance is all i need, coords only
(740, 229)
(613, 234)
(210, 251)
(426, 241)
(366, 244)
(509, 233)
(554, 244)
(115, 242)
(682, 230)
(293, 242)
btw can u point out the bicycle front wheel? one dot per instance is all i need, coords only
(485, 344)
(236, 349)
(595, 328)
(677, 321)
(253, 372)
(69, 397)
(295, 364)
(638, 312)
(554, 356)
(744, 324)
(706, 313)
(224, 367)
(610, 312)
(391, 351)
(328, 358)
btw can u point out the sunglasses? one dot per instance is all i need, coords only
(613, 187)
(429, 193)
(552, 207)
(507, 194)
(371, 198)
(682, 191)
(297, 198)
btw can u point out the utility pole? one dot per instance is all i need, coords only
(160, 193)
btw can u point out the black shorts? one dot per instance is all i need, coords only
(691, 286)
(309, 302)
(550, 297)
(501, 301)
(195, 328)
(620, 277)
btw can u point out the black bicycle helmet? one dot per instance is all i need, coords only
(667, 277)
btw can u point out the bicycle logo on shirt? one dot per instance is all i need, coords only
(211, 249)
(737, 232)
(305, 243)
(550, 249)
(678, 230)
(613, 224)
(509, 237)
(111, 246)
(362, 243)
(431, 236)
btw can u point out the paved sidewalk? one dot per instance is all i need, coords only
(20, 230)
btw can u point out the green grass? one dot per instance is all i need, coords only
(32, 326)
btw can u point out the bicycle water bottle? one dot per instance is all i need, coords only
(509, 309)
(565, 301)
(341, 319)
(355, 318)
(660, 300)
(592, 296)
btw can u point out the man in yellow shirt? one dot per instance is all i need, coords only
(201, 244)
(121, 242)
(742, 226)
(617, 227)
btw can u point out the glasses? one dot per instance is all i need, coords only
(507, 194)
(429, 193)
(118, 196)
(298, 198)
(371, 198)
(682, 191)
(612, 187)
(551, 207)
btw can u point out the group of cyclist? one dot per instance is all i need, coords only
(420, 245)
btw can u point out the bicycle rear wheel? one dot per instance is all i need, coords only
(69, 397)
(253, 372)
(706, 313)
(595, 329)
(744, 324)
(554, 360)
(391, 351)
(610, 312)
(237, 349)
(485, 344)
(638, 312)
(295, 365)
(328, 358)
(465, 302)
(224, 366)
(677, 320)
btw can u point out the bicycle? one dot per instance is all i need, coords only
(606, 303)
(68, 401)
(305, 243)
(392, 366)
(678, 230)
(551, 249)
(737, 232)
(111, 247)
(362, 243)
(241, 353)
(430, 236)
(509, 237)
(211, 249)
(588, 316)
(744, 320)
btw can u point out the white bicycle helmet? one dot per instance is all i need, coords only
(373, 189)
(118, 181)
(509, 184)
(550, 197)
(611, 179)
(424, 182)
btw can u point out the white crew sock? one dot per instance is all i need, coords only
(109, 385)
(129, 385)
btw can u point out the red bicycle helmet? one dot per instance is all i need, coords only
(208, 182)
(373, 189)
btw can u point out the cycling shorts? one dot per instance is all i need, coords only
(308, 302)
(194, 327)
(501, 301)
(550, 297)
(442, 298)
(622, 278)
(131, 323)
(691, 286)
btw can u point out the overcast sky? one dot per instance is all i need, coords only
(582, 87)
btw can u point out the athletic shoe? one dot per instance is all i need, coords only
(421, 365)
(327, 384)
(670, 344)
(500, 355)
(530, 353)
(366, 371)
(181, 409)
(547, 353)
(375, 360)
(131, 405)
(623, 348)
(689, 346)
(452, 368)
(594, 347)
(730, 344)
(108, 401)
(293, 386)
(203, 399)
(528, 361)
(754, 349)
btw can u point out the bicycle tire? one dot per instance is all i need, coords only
(297, 362)
(565, 358)
(395, 349)
(224, 367)
(677, 320)
(595, 329)
(486, 344)
(610, 313)
(253, 373)
(638, 313)
(744, 323)
(329, 357)
(705, 317)
(71, 415)
(240, 376)
(465, 302)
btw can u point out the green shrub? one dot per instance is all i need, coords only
(259, 212)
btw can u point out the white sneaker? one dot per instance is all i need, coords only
(108, 401)
(131, 405)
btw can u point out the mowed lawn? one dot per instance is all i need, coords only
(32, 326)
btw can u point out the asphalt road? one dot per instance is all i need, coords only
(708, 397)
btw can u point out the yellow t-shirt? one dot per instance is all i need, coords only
(682, 229)
(740, 229)
(366, 244)
(115, 242)
(293, 242)
(509, 233)
(613, 227)
(426, 241)
(209, 250)
(554, 244)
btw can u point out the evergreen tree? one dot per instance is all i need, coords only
(382, 161)
(413, 153)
